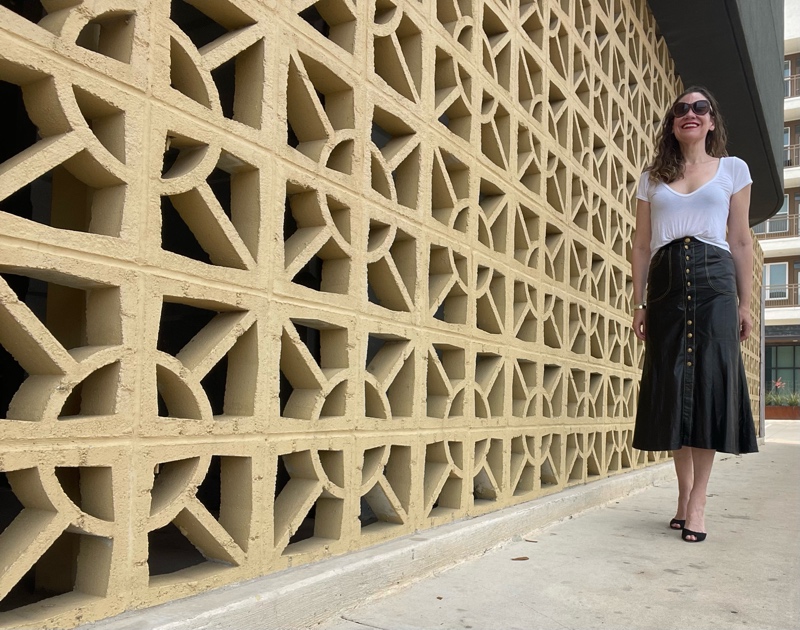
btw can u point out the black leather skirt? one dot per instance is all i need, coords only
(694, 389)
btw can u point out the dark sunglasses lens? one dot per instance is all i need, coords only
(699, 107)
(680, 110)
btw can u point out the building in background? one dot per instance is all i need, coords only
(780, 235)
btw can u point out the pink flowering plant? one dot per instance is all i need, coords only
(780, 396)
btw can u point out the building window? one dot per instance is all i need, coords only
(780, 222)
(782, 369)
(776, 279)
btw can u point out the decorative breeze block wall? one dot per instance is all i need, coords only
(281, 279)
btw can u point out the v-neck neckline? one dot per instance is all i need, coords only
(716, 173)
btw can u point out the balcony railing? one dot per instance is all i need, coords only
(780, 226)
(791, 155)
(791, 86)
(777, 295)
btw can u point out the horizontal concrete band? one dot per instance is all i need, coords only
(302, 596)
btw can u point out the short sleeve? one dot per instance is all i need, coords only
(643, 192)
(740, 175)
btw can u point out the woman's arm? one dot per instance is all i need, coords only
(741, 245)
(640, 262)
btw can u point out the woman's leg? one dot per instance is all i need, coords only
(702, 461)
(685, 472)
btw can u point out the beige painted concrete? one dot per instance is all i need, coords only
(409, 297)
(620, 566)
(304, 596)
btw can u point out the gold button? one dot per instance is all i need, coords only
(689, 283)
(687, 270)
(690, 335)
(685, 247)
(689, 363)
(689, 322)
(688, 297)
(686, 240)
(687, 258)
(688, 350)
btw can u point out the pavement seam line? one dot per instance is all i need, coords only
(361, 623)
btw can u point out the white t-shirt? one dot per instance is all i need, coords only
(702, 213)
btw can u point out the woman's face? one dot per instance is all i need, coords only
(692, 126)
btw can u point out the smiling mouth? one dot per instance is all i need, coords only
(690, 125)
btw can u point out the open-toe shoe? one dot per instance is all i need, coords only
(698, 536)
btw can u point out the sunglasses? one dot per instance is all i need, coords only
(679, 110)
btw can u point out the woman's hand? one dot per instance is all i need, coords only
(638, 323)
(741, 246)
(745, 323)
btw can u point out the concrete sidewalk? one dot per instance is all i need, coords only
(619, 566)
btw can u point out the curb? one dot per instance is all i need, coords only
(303, 596)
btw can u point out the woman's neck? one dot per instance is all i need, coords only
(695, 154)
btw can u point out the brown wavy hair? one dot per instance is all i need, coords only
(667, 165)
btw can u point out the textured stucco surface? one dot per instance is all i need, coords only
(285, 279)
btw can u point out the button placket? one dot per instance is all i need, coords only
(689, 260)
(689, 293)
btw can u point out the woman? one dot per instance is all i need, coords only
(693, 254)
